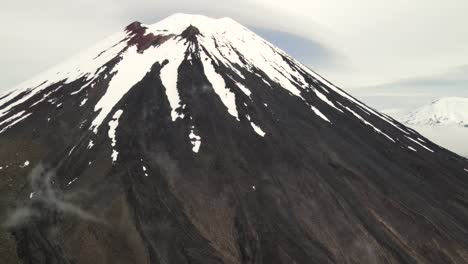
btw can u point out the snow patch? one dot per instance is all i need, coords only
(195, 140)
(113, 124)
(25, 164)
(317, 112)
(83, 102)
(257, 129)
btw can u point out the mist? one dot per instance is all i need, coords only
(453, 138)
(45, 199)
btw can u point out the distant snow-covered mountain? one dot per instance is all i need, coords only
(444, 111)
(444, 121)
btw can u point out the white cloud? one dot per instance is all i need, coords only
(383, 41)
(409, 94)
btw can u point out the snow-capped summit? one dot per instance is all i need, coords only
(444, 111)
(193, 140)
(177, 23)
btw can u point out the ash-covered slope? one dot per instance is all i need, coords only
(444, 111)
(195, 141)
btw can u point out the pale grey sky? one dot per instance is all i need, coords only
(399, 97)
(355, 44)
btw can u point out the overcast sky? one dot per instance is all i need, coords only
(361, 45)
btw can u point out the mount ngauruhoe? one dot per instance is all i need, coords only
(194, 140)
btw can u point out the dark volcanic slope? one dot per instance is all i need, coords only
(195, 141)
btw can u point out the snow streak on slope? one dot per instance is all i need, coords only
(369, 124)
(86, 64)
(113, 124)
(219, 86)
(451, 137)
(340, 92)
(444, 111)
(245, 90)
(257, 129)
(320, 114)
(13, 120)
(419, 143)
(134, 66)
(412, 149)
(325, 99)
(169, 73)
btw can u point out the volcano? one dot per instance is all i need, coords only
(194, 140)
(447, 111)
